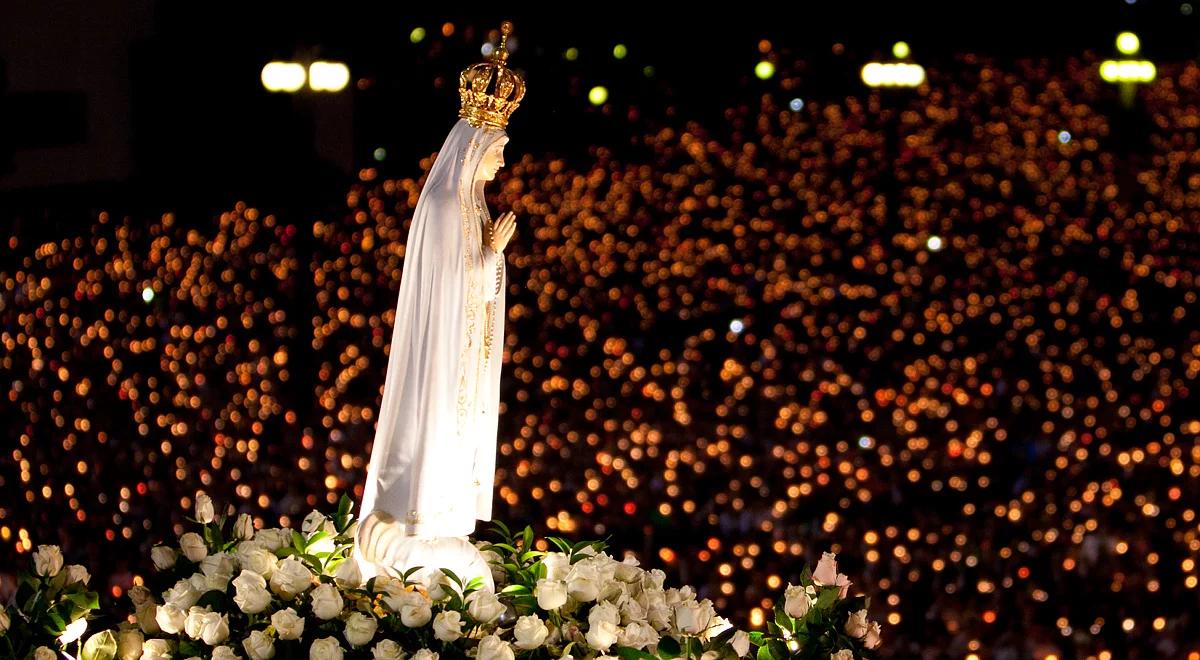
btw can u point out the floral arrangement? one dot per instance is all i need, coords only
(231, 591)
(50, 611)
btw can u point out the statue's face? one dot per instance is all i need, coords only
(493, 160)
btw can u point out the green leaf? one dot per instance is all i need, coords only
(56, 625)
(756, 638)
(450, 574)
(806, 576)
(474, 585)
(298, 542)
(627, 653)
(501, 546)
(515, 589)
(783, 620)
(778, 648)
(532, 554)
(214, 599)
(723, 638)
(344, 505)
(410, 571)
(827, 597)
(527, 537)
(764, 653)
(317, 536)
(668, 647)
(502, 529)
(87, 601)
(101, 646)
(560, 543)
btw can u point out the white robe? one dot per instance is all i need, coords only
(433, 460)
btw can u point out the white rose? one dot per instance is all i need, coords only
(348, 575)
(856, 625)
(244, 527)
(484, 606)
(325, 649)
(214, 628)
(638, 635)
(225, 653)
(604, 611)
(199, 583)
(218, 569)
(170, 618)
(583, 583)
(256, 557)
(194, 621)
(129, 642)
(551, 594)
(844, 654)
(826, 573)
(494, 648)
(631, 611)
(795, 602)
(416, 612)
(874, 636)
(530, 632)
(204, 509)
(146, 618)
(259, 646)
(654, 579)
(327, 603)
(291, 578)
(5, 622)
(44, 653)
(628, 571)
(387, 649)
(447, 626)
(557, 564)
(395, 596)
(164, 557)
(193, 546)
(313, 522)
(423, 654)
(251, 594)
(360, 628)
(77, 573)
(740, 643)
(288, 624)
(658, 613)
(183, 595)
(48, 560)
(692, 617)
(273, 539)
(437, 585)
(156, 649)
(602, 635)
(386, 584)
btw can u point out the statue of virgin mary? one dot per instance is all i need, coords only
(432, 467)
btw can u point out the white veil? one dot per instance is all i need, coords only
(435, 441)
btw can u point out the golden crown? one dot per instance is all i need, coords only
(489, 91)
